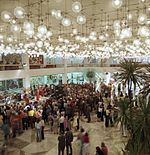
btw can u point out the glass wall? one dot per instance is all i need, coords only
(11, 85)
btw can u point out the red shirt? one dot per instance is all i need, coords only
(105, 150)
(86, 139)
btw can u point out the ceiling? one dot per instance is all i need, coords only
(99, 15)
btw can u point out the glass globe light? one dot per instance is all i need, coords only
(75, 31)
(29, 32)
(116, 24)
(144, 31)
(116, 3)
(6, 16)
(1, 37)
(81, 19)
(126, 33)
(49, 34)
(39, 44)
(93, 33)
(58, 15)
(53, 12)
(15, 28)
(102, 37)
(147, 41)
(42, 29)
(60, 39)
(76, 7)
(129, 16)
(19, 12)
(142, 19)
(66, 22)
(39, 35)
(10, 39)
(27, 25)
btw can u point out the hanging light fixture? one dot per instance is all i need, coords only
(142, 19)
(27, 25)
(81, 19)
(116, 3)
(19, 12)
(116, 24)
(66, 22)
(15, 28)
(144, 31)
(1, 37)
(76, 7)
(75, 31)
(53, 12)
(6, 16)
(58, 15)
(42, 29)
(49, 34)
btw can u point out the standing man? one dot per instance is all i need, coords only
(61, 143)
(69, 139)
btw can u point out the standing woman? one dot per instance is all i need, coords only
(86, 144)
(38, 127)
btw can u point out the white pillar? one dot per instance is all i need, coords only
(64, 77)
(25, 62)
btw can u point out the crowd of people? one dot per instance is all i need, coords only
(61, 110)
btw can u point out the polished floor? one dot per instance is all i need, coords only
(25, 144)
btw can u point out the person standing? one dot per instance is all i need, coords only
(104, 148)
(86, 144)
(80, 139)
(61, 143)
(69, 139)
(42, 128)
(99, 151)
(38, 128)
(61, 123)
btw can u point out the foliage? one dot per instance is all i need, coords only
(131, 73)
(90, 74)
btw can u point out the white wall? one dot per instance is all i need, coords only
(16, 74)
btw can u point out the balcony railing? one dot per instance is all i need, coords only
(42, 66)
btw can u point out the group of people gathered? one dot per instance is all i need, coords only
(61, 110)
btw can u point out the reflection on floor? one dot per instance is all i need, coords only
(25, 144)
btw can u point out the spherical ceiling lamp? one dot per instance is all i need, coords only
(53, 12)
(6, 16)
(116, 24)
(142, 19)
(58, 15)
(1, 37)
(129, 16)
(93, 33)
(15, 28)
(76, 7)
(49, 34)
(144, 31)
(116, 3)
(27, 25)
(19, 12)
(10, 39)
(29, 32)
(39, 44)
(126, 33)
(66, 22)
(81, 19)
(42, 29)
(75, 31)
(147, 41)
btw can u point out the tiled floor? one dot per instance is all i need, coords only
(26, 144)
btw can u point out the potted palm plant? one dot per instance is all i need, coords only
(131, 73)
(90, 75)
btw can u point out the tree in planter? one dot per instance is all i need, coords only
(90, 75)
(130, 73)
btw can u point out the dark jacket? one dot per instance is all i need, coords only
(69, 137)
(61, 142)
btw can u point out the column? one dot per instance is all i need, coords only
(26, 67)
(64, 77)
